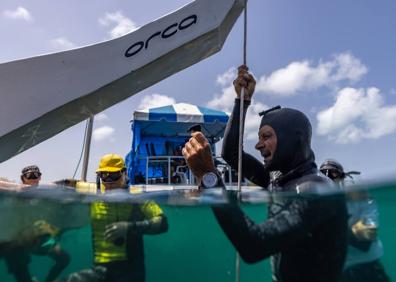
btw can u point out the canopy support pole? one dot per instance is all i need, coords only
(87, 148)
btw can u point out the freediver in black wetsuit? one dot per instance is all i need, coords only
(305, 235)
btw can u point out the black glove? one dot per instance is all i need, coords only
(117, 232)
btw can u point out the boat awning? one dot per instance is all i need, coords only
(44, 95)
(174, 120)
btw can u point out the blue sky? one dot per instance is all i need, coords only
(333, 60)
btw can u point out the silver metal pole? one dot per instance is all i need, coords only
(147, 166)
(229, 176)
(87, 148)
(169, 170)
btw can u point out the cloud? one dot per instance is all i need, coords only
(225, 100)
(225, 103)
(20, 13)
(357, 114)
(253, 120)
(155, 100)
(103, 133)
(61, 43)
(123, 25)
(227, 77)
(101, 117)
(305, 76)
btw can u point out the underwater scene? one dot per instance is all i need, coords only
(193, 247)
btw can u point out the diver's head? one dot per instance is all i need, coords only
(112, 171)
(31, 175)
(284, 139)
(333, 170)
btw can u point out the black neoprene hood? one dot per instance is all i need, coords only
(332, 164)
(30, 168)
(293, 131)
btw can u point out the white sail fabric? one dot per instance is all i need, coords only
(44, 95)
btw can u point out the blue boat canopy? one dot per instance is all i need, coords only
(162, 131)
(174, 120)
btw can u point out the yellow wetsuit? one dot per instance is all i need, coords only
(103, 214)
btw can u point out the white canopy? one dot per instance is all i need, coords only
(44, 95)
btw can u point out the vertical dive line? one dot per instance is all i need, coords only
(241, 108)
(241, 131)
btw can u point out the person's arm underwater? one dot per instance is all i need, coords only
(252, 168)
(364, 231)
(255, 242)
(121, 229)
(62, 260)
(155, 222)
(155, 225)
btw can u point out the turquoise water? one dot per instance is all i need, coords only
(193, 249)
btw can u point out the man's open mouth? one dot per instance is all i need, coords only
(266, 155)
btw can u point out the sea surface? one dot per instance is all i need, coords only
(193, 249)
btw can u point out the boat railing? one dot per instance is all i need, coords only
(175, 162)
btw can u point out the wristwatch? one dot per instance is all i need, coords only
(210, 180)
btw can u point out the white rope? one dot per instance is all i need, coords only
(241, 108)
(240, 141)
(241, 131)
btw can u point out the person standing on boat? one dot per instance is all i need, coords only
(118, 229)
(365, 249)
(305, 235)
(41, 239)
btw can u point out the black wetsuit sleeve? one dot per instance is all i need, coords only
(252, 168)
(255, 242)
